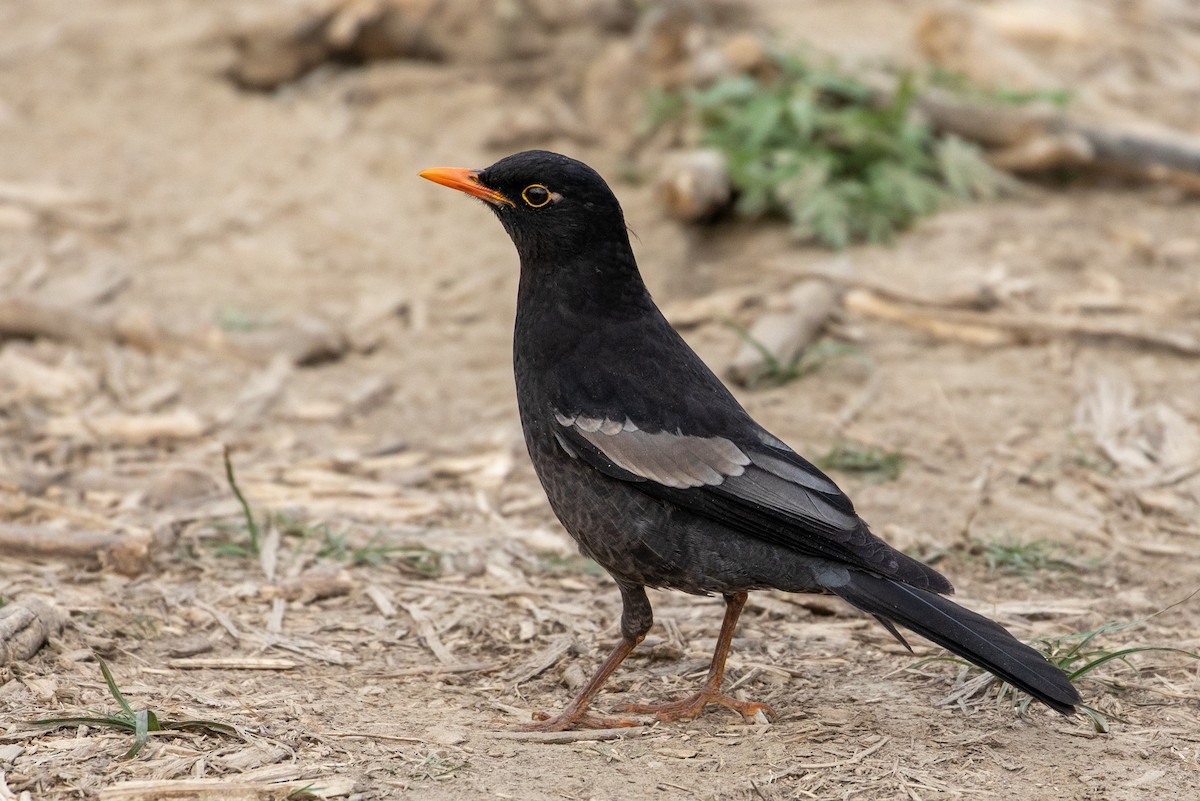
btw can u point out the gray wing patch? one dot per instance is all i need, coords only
(793, 473)
(784, 495)
(673, 460)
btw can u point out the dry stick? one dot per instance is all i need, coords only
(433, 671)
(372, 735)
(380, 598)
(17, 540)
(992, 329)
(569, 736)
(231, 663)
(29, 319)
(127, 554)
(221, 789)
(778, 338)
(1037, 138)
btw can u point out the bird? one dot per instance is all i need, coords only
(662, 477)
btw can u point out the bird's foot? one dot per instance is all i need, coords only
(575, 720)
(691, 706)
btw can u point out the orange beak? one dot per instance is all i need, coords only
(465, 180)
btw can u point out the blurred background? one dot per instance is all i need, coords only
(260, 435)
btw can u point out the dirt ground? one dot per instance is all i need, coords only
(415, 598)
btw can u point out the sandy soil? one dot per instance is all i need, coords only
(139, 185)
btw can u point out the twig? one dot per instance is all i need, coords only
(231, 663)
(437, 670)
(380, 598)
(127, 554)
(1036, 138)
(373, 735)
(992, 329)
(569, 736)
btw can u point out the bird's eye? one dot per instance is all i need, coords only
(536, 195)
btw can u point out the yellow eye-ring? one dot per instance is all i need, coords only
(536, 195)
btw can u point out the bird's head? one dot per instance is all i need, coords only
(552, 206)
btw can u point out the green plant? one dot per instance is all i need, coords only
(1079, 655)
(141, 723)
(1022, 558)
(841, 162)
(871, 462)
(251, 524)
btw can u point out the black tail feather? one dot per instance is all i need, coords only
(973, 637)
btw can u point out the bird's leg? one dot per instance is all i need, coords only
(691, 706)
(636, 619)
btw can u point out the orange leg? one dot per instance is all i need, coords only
(576, 713)
(636, 619)
(691, 706)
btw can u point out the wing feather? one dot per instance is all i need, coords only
(762, 489)
(674, 460)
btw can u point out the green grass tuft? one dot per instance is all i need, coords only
(251, 524)
(867, 460)
(142, 723)
(1080, 656)
(338, 546)
(1016, 558)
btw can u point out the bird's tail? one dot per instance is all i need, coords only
(973, 637)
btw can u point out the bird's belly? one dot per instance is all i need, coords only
(642, 540)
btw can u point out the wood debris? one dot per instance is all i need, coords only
(560, 737)
(992, 329)
(231, 663)
(128, 554)
(25, 626)
(226, 790)
(280, 50)
(128, 429)
(694, 184)
(323, 581)
(778, 337)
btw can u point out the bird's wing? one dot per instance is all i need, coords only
(762, 489)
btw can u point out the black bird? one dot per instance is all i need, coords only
(661, 476)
